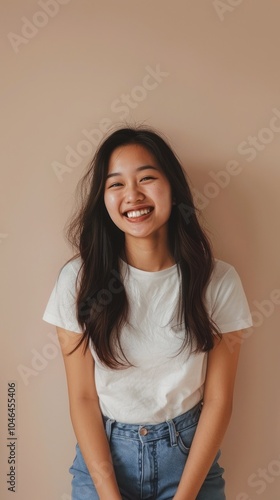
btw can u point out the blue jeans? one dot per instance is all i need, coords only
(148, 461)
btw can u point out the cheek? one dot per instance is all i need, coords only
(166, 201)
(112, 205)
(109, 201)
(164, 196)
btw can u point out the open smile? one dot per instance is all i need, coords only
(136, 214)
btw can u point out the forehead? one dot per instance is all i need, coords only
(131, 156)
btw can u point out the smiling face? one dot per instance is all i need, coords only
(137, 193)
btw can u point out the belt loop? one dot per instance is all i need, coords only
(108, 427)
(172, 432)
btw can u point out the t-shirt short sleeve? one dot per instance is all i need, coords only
(61, 307)
(229, 306)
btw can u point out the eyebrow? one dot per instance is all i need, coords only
(139, 169)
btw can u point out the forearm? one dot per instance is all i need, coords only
(89, 429)
(213, 422)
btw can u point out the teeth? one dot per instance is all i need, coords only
(138, 213)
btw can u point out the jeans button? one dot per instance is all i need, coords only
(143, 431)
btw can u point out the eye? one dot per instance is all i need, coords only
(147, 178)
(116, 184)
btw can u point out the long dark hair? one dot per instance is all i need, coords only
(101, 303)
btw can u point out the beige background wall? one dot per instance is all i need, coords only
(67, 68)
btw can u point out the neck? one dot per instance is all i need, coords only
(148, 255)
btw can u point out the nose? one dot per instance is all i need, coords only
(134, 194)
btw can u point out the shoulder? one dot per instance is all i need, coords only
(222, 271)
(69, 271)
(226, 300)
(61, 307)
(71, 266)
(224, 279)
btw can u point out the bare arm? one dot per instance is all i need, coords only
(86, 415)
(214, 418)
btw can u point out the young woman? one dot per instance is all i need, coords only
(149, 325)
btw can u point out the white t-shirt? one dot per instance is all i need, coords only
(162, 384)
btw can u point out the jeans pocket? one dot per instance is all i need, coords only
(76, 461)
(82, 484)
(185, 438)
(78, 466)
(216, 470)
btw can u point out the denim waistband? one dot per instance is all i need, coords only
(150, 432)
